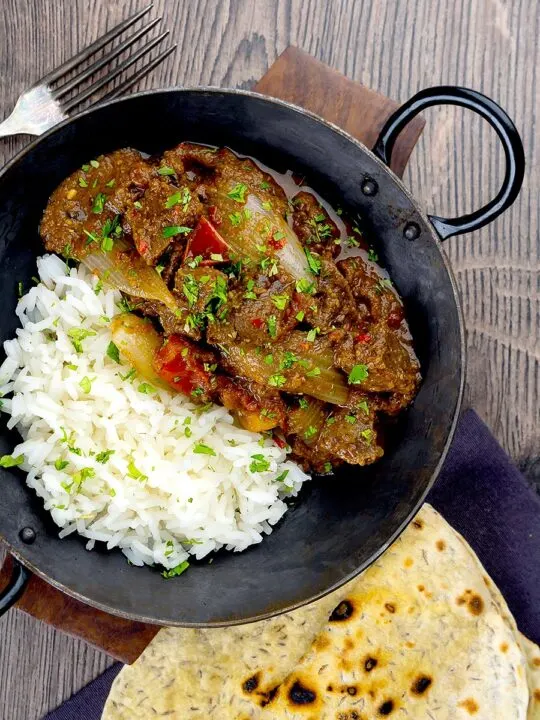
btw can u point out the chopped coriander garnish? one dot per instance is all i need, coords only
(186, 197)
(367, 434)
(113, 352)
(315, 372)
(195, 262)
(272, 326)
(288, 360)
(107, 244)
(166, 170)
(216, 257)
(94, 163)
(77, 335)
(280, 301)
(313, 262)
(372, 255)
(20, 289)
(281, 477)
(175, 571)
(173, 230)
(303, 285)
(174, 199)
(238, 192)
(259, 463)
(160, 269)
(249, 294)
(235, 218)
(60, 464)
(99, 203)
(7, 461)
(111, 183)
(310, 432)
(190, 288)
(358, 374)
(71, 366)
(265, 185)
(86, 384)
(146, 389)
(327, 467)
(137, 204)
(351, 419)
(129, 375)
(269, 359)
(277, 380)
(170, 548)
(82, 182)
(188, 432)
(98, 287)
(85, 168)
(312, 334)
(104, 456)
(202, 449)
(363, 406)
(135, 473)
(303, 403)
(267, 205)
(352, 241)
(300, 315)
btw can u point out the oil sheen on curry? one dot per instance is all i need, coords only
(244, 288)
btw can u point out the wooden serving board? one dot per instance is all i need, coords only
(302, 80)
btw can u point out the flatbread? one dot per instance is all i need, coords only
(423, 633)
(532, 656)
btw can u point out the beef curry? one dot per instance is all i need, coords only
(243, 290)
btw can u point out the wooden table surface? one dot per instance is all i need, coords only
(396, 47)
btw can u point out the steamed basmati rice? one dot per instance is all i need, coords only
(116, 460)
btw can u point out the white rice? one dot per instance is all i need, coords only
(184, 503)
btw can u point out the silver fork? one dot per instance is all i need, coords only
(45, 104)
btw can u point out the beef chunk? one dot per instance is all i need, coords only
(314, 227)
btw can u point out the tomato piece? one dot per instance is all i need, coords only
(181, 364)
(206, 241)
(363, 338)
(257, 323)
(279, 441)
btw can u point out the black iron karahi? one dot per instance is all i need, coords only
(341, 524)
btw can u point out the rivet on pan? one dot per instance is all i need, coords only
(411, 231)
(27, 535)
(369, 187)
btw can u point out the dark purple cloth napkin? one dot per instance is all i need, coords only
(485, 498)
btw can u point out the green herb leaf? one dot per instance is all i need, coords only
(313, 262)
(327, 467)
(288, 360)
(304, 286)
(310, 432)
(166, 170)
(104, 456)
(129, 375)
(372, 255)
(202, 449)
(99, 203)
(174, 199)
(175, 571)
(82, 182)
(135, 473)
(265, 185)
(111, 183)
(280, 301)
(312, 334)
(238, 192)
(7, 461)
(300, 315)
(358, 374)
(60, 464)
(235, 218)
(86, 384)
(363, 406)
(113, 352)
(315, 372)
(367, 434)
(173, 230)
(281, 477)
(146, 389)
(303, 403)
(190, 288)
(351, 419)
(269, 359)
(77, 335)
(272, 326)
(94, 163)
(259, 463)
(277, 380)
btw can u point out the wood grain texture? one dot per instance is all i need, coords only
(300, 78)
(395, 47)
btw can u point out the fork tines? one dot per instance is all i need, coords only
(57, 93)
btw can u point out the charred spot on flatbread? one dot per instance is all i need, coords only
(344, 611)
(267, 697)
(418, 524)
(251, 684)
(349, 715)
(370, 663)
(386, 708)
(352, 690)
(390, 607)
(421, 684)
(440, 545)
(474, 602)
(301, 695)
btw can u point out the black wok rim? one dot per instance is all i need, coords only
(459, 398)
